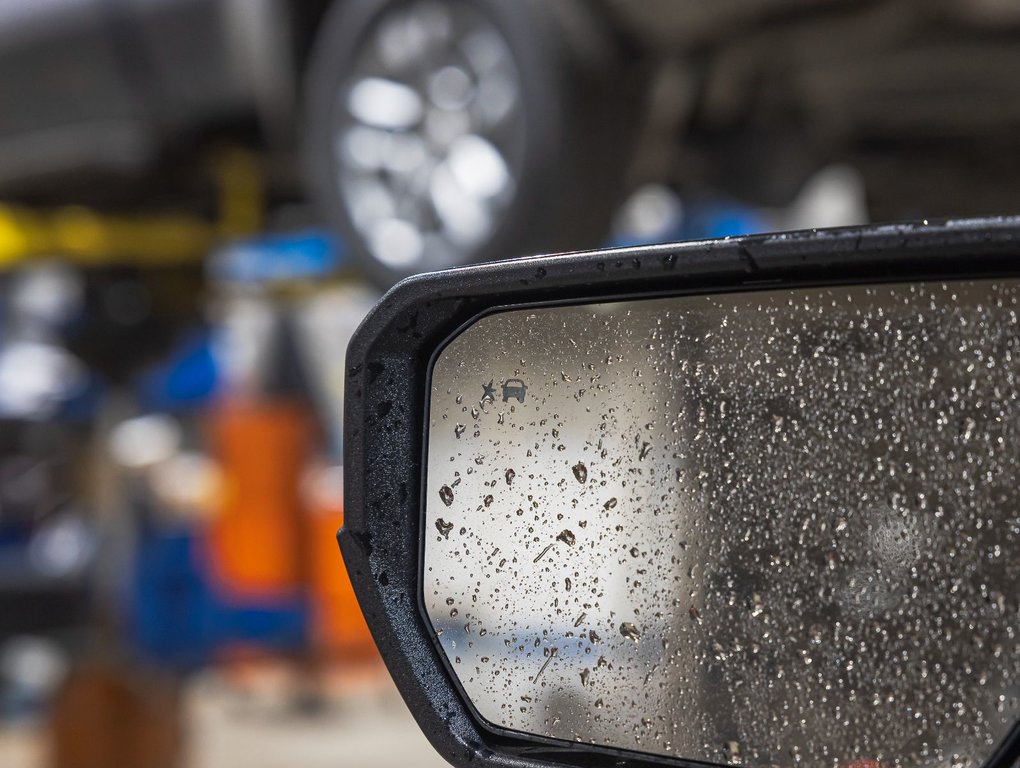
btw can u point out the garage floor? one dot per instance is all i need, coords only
(361, 723)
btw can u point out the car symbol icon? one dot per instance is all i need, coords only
(514, 388)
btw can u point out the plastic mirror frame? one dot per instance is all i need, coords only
(386, 397)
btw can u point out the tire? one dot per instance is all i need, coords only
(565, 143)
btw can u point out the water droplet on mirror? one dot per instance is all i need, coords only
(459, 430)
(567, 537)
(629, 631)
(444, 527)
(510, 475)
(610, 504)
(756, 604)
(542, 554)
(733, 748)
(446, 494)
(580, 472)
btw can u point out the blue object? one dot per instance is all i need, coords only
(273, 257)
(712, 219)
(702, 219)
(179, 621)
(188, 378)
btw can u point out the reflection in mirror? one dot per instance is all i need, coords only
(761, 528)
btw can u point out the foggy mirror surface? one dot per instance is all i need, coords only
(762, 528)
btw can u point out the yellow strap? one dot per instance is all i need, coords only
(92, 238)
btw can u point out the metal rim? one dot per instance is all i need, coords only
(427, 135)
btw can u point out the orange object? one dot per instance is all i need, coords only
(340, 629)
(276, 530)
(259, 540)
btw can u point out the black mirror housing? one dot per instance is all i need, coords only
(387, 384)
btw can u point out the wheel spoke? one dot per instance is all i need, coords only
(425, 135)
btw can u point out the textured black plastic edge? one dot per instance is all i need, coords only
(386, 391)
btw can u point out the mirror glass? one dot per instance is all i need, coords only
(768, 528)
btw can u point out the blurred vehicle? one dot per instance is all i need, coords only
(436, 132)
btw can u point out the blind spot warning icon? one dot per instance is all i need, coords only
(514, 388)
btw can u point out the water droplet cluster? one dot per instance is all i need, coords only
(773, 528)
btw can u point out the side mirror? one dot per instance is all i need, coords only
(752, 501)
